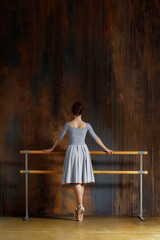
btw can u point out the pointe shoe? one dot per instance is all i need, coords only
(76, 214)
(80, 211)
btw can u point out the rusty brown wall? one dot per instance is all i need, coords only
(105, 53)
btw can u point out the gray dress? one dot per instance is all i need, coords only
(77, 167)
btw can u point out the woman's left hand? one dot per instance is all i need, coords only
(47, 151)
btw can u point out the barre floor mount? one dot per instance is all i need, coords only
(27, 172)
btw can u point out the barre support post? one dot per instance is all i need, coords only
(141, 190)
(26, 186)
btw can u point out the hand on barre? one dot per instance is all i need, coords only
(100, 143)
(109, 151)
(47, 151)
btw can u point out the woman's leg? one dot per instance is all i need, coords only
(79, 192)
(82, 186)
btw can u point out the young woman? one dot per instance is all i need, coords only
(77, 168)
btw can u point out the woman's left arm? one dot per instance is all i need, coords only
(59, 138)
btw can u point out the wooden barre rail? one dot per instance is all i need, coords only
(26, 172)
(94, 171)
(91, 152)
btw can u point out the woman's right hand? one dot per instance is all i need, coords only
(47, 151)
(109, 151)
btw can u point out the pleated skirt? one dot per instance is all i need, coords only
(77, 167)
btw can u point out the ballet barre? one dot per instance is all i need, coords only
(27, 172)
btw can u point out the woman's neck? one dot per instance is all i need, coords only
(78, 118)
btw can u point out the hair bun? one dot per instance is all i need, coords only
(77, 108)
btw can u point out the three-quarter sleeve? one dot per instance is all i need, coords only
(91, 132)
(63, 131)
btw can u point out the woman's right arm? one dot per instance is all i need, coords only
(100, 143)
(98, 140)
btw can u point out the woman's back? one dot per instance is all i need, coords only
(77, 135)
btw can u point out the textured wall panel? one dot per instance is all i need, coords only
(103, 53)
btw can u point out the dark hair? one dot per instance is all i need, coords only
(77, 108)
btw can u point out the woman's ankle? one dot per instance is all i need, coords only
(79, 204)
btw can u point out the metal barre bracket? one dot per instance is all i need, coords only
(141, 152)
(141, 172)
(26, 171)
(26, 151)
